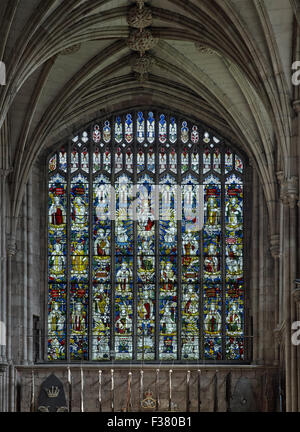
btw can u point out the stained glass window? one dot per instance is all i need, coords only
(146, 243)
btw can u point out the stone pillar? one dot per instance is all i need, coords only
(289, 197)
(296, 296)
(3, 262)
(254, 265)
(275, 252)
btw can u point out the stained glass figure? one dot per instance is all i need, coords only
(101, 322)
(57, 322)
(79, 322)
(146, 322)
(63, 160)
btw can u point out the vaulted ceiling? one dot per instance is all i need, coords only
(225, 62)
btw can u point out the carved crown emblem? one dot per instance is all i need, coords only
(52, 392)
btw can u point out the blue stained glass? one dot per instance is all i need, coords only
(150, 128)
(162, 129)
(118, 130)
(140, 127)
(173, 131)
(128, 128)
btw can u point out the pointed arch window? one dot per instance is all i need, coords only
(132, 277)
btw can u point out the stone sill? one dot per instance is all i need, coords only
(174, 367)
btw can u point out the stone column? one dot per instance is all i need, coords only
(3, 262)
(289, 197)
(296, 297)
(275, 252)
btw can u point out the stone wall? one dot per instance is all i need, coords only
(252, 388)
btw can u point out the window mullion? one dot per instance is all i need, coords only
(68, 257)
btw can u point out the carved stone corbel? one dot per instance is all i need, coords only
(289, 191)
(296, 292)
(11, 246)
(275, 245)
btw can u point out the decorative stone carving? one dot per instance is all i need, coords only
(142, 66)
(71, 50)
(204, 49)
(289, 191)
(275, 245)
(11, 247)
(139, 17)
(141, 41)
